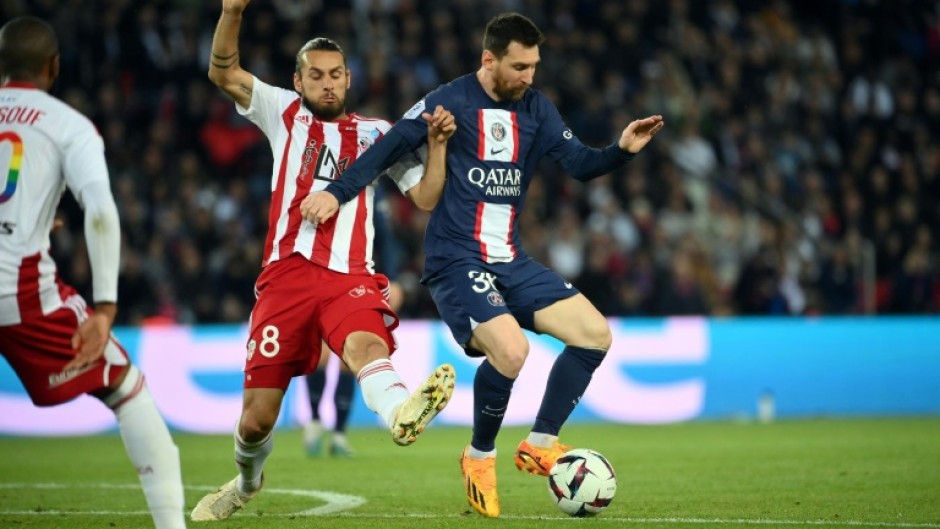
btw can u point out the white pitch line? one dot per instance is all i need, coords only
(623, 519)
(334, 502)
(339, 504)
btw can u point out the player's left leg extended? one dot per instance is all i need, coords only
(586, 334)
(367, 354)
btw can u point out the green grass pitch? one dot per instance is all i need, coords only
(806, 473)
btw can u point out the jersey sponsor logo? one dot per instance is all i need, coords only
(16, 161)
(497, 181)
(416, 110)
(320, 162)
(495, 299)
(306, 119)
(358, 292)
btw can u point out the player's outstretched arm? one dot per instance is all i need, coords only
(103, 237)
(639, 132)
(225, 70)
(441, 126)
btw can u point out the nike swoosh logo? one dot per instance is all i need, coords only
(567, 284)
(495, 152)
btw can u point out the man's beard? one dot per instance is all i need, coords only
(326, 112)
(506, 93)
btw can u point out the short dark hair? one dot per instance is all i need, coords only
(26, 46)
(319, 44)
(508, 27)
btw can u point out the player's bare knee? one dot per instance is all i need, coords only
(361, 348)
(255, 425)
(596, 334)
(510, 357)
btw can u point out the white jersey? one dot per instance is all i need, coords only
(45, 145)
(308, 155)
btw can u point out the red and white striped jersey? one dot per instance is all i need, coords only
(45, 145)
(308, 155)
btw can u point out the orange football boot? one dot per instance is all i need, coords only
(537, 460)
(479, 476)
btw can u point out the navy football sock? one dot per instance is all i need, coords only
(345, 387)
(315, 383)
(567, 382)
(491, 391)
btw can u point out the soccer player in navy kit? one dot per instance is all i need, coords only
(485, 286)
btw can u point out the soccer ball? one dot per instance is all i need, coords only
(582, 482)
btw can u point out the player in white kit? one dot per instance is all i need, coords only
(58, 346)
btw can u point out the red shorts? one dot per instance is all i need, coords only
(39, 347)
(301, 304)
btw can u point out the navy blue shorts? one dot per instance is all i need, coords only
(471, 292)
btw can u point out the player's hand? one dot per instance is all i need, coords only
(639, 132)
(92, 336)
(441, 125)
(234, 6)
(319, 207)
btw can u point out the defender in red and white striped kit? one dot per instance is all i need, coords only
(318, 282)
(58, 347)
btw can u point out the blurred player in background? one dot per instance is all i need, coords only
(318, 282)
(58, 346)
(484, 285)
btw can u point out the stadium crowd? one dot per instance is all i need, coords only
(799, 171)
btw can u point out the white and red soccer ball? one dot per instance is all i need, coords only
(582, 482)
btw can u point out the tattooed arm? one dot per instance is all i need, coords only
(224, 68)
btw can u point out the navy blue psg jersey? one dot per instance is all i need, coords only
(490, 162)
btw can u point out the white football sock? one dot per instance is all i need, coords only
(542, 440)
(382, 389)
(151, 450)
(250, 460)
(480, 454)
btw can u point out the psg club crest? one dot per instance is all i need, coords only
(498, 131)
(495, 299)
